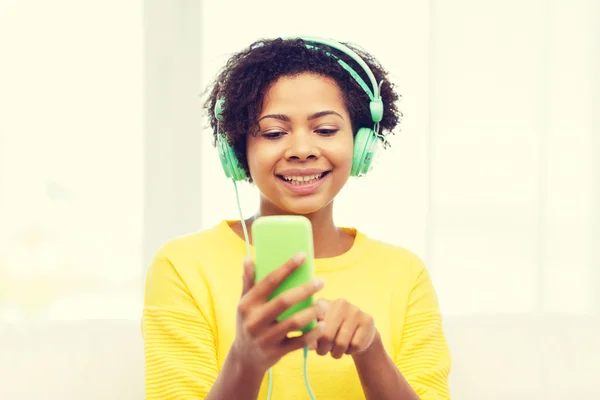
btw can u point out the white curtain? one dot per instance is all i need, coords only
(492, 179)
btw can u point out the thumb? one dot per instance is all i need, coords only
(248, 279)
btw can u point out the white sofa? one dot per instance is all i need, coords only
(516, 357)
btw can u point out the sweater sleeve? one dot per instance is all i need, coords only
(423, 356)
(179, 345)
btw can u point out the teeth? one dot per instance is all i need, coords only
(302, 180)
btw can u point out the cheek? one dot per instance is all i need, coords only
(343, 155)
(252, 154)
(260, 162)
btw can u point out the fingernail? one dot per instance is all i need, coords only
(321, 326)
(299, 257)
(321, 311)
(323, 305)
(319, 283)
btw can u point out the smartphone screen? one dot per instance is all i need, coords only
(276, 239)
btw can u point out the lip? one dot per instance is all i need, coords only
(301, 172)
(304, 189)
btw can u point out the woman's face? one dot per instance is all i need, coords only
(301, 156)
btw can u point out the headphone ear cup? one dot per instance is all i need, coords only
(365, 144)
(229, 161)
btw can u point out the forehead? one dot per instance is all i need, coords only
(304, 91)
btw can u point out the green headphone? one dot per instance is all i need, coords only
(365, 141)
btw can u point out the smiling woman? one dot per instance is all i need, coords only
(297, 118)
(305, 139)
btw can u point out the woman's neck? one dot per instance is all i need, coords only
(329, 240)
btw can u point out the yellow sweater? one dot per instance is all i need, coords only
(193, 287)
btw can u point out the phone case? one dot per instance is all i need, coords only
(276, 239)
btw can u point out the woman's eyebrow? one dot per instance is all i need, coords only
(283, 117)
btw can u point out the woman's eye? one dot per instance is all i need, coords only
(326, 132)
(272, 135)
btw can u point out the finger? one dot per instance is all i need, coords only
(263, 289)
(333, 320)
(248, 278)
(289, 298)
(325, 304)
(308, 339)
(294, 323)
(342, 340)
(362, 336)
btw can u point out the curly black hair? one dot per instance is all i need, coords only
(249, 74)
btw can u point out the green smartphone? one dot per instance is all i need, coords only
(276, 239)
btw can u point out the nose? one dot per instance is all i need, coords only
(302, 147)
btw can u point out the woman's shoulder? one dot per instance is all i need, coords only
(397, 264)
(198, 259)
(184, 267)
(393, 254)
(216, 239)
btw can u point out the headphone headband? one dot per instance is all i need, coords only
(374, 93)
(376, 105)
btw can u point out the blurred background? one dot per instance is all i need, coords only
(493, 178)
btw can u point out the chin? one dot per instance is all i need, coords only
(280, 198)
(304, 206)
(302, 210)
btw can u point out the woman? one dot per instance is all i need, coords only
(291, 114)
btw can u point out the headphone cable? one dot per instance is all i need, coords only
(270, 388)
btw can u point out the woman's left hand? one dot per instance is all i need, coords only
(348, 330)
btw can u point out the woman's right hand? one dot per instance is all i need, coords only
(261, 341)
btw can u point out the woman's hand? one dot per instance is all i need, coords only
(260, 340)
(348, 330)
